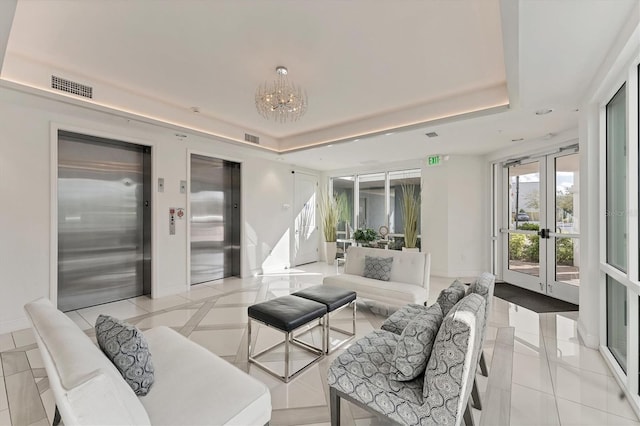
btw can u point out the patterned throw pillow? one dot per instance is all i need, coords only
(451, 295)
(378, 268)
(125, 345)
(415, 344)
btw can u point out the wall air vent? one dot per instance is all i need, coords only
(72, 87)
(251, 138)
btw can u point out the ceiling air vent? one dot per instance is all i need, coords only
(72, 87)
(251, 138)
(431, 135)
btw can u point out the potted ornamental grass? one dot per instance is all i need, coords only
(329, 215)
(410, 207)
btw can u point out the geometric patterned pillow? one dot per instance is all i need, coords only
(450, 296)
(398, 321)
(126, 347)
(415, 344)
(378, 268)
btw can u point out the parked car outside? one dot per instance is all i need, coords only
(523, 217)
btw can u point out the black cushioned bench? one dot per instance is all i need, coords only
(334, 299)
(287, 314)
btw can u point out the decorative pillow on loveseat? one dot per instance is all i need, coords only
(378, 268)
(126, 347)
(414, 346)
(451, 295)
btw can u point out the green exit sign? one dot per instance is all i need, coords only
(433, 160)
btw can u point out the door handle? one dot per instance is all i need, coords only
(544, 233)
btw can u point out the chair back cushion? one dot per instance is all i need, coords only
(484, 286)
(452, 366)
(87, 388)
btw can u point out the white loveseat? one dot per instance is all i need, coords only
(409, 281)
(192, 386)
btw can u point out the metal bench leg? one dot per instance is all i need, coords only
(468, 416)
(475, 395)
(56, 417)
(334, 405)
(483, 365)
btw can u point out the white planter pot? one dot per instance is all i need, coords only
(411, 249)
(330, 249)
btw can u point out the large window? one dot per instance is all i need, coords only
(373, 200)
(343, 190)
(616, 177)
(399, 182)
(617, 321)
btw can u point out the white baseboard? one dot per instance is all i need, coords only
(14, 325)
(590, 340)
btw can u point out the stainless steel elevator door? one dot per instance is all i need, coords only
(103, 237)
(215, 219)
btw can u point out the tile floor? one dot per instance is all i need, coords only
(554, 380)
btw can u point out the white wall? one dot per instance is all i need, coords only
(26, 124)
(455, 200)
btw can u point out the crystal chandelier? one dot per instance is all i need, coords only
(281, 100)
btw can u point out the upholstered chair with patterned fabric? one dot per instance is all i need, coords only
(484, 286)
(365, 373)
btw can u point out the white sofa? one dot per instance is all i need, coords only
(192, 386)
(409, 282)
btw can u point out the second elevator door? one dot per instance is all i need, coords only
(215, 219)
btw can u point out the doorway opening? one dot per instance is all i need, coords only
(540, 223)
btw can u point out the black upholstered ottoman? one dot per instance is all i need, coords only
(334, 299)
(287, 314)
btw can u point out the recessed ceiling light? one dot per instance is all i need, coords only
(356, 140)
(431, 135)
(387, 134)
(329, 146)
(517, 140)
(544, 111)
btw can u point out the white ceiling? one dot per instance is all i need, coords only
(368, 66)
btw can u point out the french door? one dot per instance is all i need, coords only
(541, 226)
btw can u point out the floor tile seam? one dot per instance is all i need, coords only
(234, 305)
(552, 394)
(196, 318)
(39, 397)
(24, 348)
(181, 307)
(580, 369)
(219, 327)
(598, 409)
(553, 383)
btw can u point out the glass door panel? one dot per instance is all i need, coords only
(524, 213)
(564, 231)
(343, 191)
(372, 203)
(617, 321)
